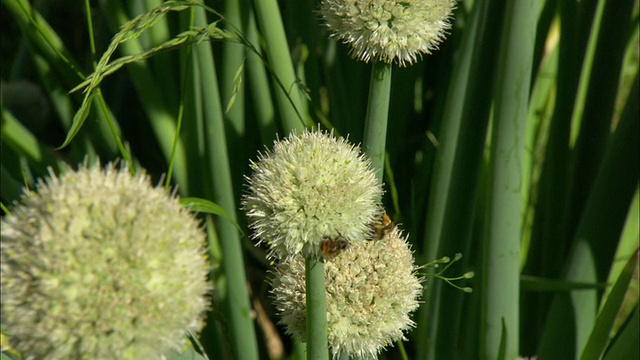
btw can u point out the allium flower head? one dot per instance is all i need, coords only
(100, 264)
(310, 187)
(371, 290)
(389, 30)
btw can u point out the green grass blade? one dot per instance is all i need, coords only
(538, 284)
(454, 188)
(24, 143)
(571, 320)
(600, 334)
(208, 207)
(625, 346)
(237, 300)
(289, 97)
(598, 91)
(162, 119)
(232, 93)
(259, 86)
(44, 39)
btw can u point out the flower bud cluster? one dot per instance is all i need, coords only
(315, 196)
(100, 264)
(388, 30)
(309, 188)
(371, 290)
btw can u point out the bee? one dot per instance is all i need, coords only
(383, 227)
(332, 247)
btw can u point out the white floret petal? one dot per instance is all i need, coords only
(389, 30)
(372, 289)
(309, 187)
(109, 265)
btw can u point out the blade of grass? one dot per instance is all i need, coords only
(259, 85)
(454, 190)
(538, 123)
(44, 38)
(596, 98)
(237, 300)
(23, 142)
(604, 323)
(162, 120)
(625, 346)
(107, 119)
(232, 93)
(501, 278)
(50, 53)
(291, 103)
(161, 63)
(627, 247)
(570, 320)
(549, 218)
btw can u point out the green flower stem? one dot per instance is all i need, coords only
(288, 94)
(237, 300)
(317, 347)
(501, 290)
(375, 128)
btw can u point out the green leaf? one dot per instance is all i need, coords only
(79, 118)
(604, 322)
(237, 83)
(187, 353)
(625, 345)
(540, 284)
(208, 207)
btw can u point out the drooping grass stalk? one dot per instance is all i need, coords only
(161, 118)
(291, 103)
(100, 99)
(59, 72)
(237, 300)
(375, 128)
(162, 63)
(501, 276)
(317, 348)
